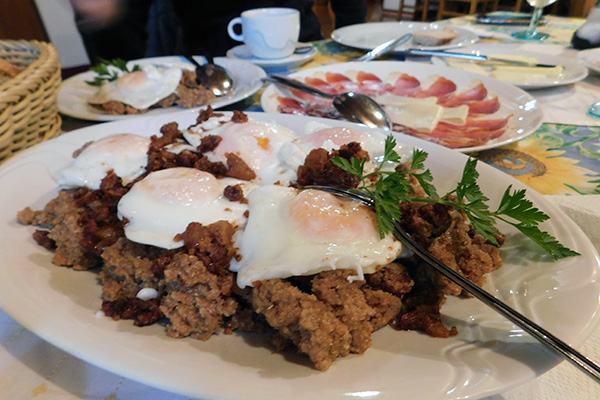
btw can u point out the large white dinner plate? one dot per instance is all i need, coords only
(369, 35)
(572, 71)
(590, 58)
(526, 112)
(489, 354)
(74, 92)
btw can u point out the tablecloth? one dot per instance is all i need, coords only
(561, 160)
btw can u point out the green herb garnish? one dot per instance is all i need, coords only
(392, 188)
(106, 74)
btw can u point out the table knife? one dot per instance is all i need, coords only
(384, 48)
(476, 57)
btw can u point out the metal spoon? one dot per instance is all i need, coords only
(539, 333)
(355, 107)
(212, 76)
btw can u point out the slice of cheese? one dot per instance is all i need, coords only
(421, 114)
(525, 74)
(469, 66)
(509, 73)
(455, 115)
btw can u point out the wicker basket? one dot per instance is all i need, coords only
(28, 109)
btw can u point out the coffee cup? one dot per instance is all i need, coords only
(269, 33)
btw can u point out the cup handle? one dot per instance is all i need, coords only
(232, 34)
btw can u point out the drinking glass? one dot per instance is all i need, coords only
(594, 110)
(532, 33)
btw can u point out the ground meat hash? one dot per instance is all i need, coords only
(325, 316)
(189, 94)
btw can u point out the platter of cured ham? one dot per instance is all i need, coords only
(457, 109)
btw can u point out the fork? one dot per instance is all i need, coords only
(539, 333)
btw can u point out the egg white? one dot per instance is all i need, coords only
(165, 202)
(255, 142)
(140, 89)
(293, 233)
(126, 154)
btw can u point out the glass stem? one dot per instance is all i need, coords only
(535, 19)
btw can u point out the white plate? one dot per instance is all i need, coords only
(590, 58)
(370, 35)
(526, 112)
(243, 53)
(74, 92)
(489, 354)
(572, 71)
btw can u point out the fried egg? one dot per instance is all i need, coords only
(126, 154)
(160, 206)
(255, 142)
(140, 89)
(293, 233)
(319, 135)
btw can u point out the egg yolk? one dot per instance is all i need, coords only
(338, 136)
(132, 79)
(322, 214)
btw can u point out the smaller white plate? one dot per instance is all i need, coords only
(74, 93)
(370, 35)
(572, 71)
(590, 58)
(242, 52)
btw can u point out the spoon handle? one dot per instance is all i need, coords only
(296, 84)
(539, 333)
(191, 59)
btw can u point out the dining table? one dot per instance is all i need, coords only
(560, 160)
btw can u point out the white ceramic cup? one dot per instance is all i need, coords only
(269, 33)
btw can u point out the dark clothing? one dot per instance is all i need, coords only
(204, 24)
(169, 27)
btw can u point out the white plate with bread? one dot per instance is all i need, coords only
(425, 35)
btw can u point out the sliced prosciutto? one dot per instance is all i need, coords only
(477, 93)
(406, 85)
(441, 113)
(488, 106)
(320, 84)
(341, 83)
(442, 88)
(489, 124)
(371, 85)
(292, 106)
(457, 138)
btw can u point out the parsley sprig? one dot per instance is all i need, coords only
(107, 74)
(389, 188)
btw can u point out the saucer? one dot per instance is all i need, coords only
(243, 53)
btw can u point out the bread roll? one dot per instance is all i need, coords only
(434, 37)
(8, 69)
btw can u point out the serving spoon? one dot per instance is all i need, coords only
(212, 76)
(539, 333)
(355, 107)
